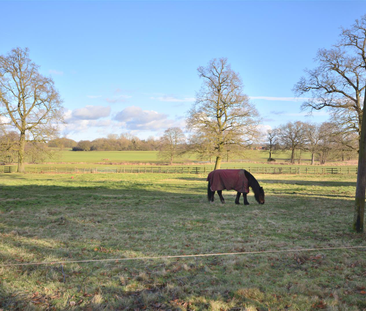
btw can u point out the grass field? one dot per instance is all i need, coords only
(69, 156)
(109, 161)
(107, 156)
(51, 218)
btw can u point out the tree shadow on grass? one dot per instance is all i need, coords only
(311, 183)
(307, 195)
(12, 300)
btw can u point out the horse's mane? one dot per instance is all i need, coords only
(253, 183)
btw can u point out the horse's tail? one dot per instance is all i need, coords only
(210, 193)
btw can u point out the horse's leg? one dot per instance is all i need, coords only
(238, 194)
(219, 192)
(245, 199)
(210, 193)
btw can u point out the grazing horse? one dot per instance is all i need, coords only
(239, 180)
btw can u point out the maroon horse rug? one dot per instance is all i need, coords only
(229, 180)
(239, 180)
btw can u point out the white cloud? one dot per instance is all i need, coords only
(67, 114)
(94, 96)
(134, 118)
(263, 128)
(173, 99)
(6, 125)
(91, 112)
(4, 120)
(100, 123)
(91, 122)
(85, 126)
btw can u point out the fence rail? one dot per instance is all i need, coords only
(189, 170)
(304, 170)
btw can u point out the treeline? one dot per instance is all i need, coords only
(41, 151)
(328, 141)
(325, 142)
(123, 142)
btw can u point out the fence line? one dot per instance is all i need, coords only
(190, 170)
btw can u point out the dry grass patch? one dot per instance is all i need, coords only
(101, 216)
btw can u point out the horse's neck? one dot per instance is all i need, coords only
(252, 182)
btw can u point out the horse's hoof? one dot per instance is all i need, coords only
(246, 203)
(237, 202)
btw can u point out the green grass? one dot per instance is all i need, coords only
(108, 156)
(69, 156)
(71, 162)
(67, 217)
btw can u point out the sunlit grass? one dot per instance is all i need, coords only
(147, 161)
(107, 157)
(68, 217)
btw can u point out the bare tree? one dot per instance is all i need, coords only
(347, 134)
(83, 145)
(28, 99)
(62, 143)
(202, 145)
(222, 113)
(291, 137)
(172, 144)
(8, 145)
(339, 82)
(124, 142)
(346, 145)
(38, 152)
(326, 148)
(312, 136)
(272, 138)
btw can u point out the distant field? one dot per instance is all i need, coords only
(107, 156)
(152, 157)
(122, 161)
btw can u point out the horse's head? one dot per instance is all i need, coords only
(259, 196)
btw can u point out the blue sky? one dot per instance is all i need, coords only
(131, 66)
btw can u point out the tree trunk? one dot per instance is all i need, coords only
(312, 158)
(218, 163)
(292, 156)
(21, 153)
(218, 157)
(359, 214)
(299, 161)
